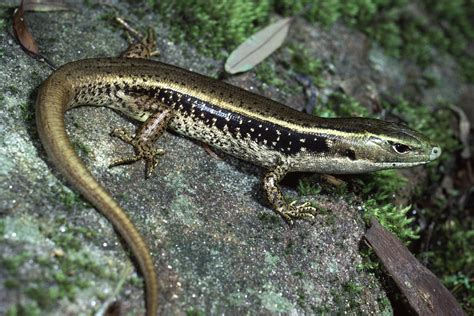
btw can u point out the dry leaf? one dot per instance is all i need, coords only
(25, 38)
(22, 33)
(464, 129)
(258, 47)
(424, 291)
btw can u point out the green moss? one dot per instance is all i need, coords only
(13, 263)
(109, 17)
(353, 291)
(82, 149)
(298, 61)
(2, 22)
(266, 72)
(20, 309)
(306, 187)
(301, 299)
(27, 112)
(392, 217)
(11, 284)
(377, 191)
(341, 105)
(454, 261)
(325, 12)
(303, 62)
(14, 90)
(195, 312)
(70, 199)
(212, 28)
(68, 236)
(2, 228)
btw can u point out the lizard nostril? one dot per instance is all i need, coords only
(435, 152)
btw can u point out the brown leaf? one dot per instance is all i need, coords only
(258, 47)
(423, 290)
(22, 33)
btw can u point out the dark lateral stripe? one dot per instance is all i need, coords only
(264, 133)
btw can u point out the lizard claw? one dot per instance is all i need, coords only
(123, 135)
(302, 211)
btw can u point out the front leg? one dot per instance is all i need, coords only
(144, 48)
(144, 140)
(289, 211)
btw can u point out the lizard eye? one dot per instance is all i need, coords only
(400, 148)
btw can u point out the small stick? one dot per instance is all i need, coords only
(136, 34)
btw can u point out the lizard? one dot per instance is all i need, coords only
(245, 125)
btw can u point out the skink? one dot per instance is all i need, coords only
(240, 123)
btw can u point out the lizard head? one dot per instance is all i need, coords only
(377, 145)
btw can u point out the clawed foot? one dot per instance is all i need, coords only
(140, 46)
(302, 211)
(143, 149)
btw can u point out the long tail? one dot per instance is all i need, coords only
(53, 99)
